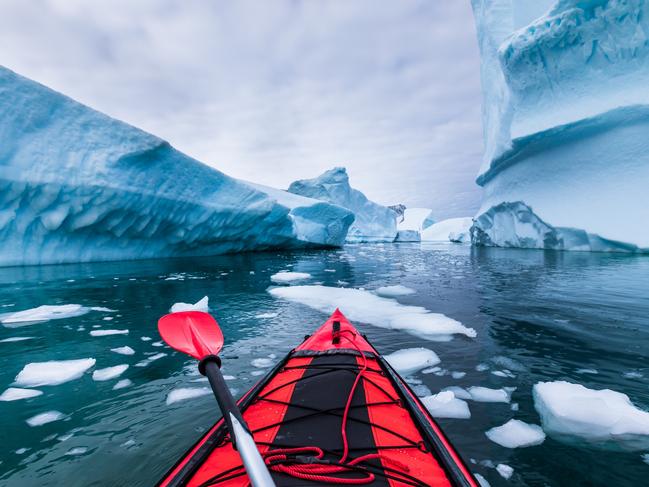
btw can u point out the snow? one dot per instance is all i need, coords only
(485, 394)
(109, 372)
(121, 384)
(565, 114)
(410, 360)
(200, 305)
(52, 373)
(99, 189)
(125, 350)
(372, 222)
(16, 393)
(366, 307)
(572, 412)
(516, 434)
(454, 230)
(44, 313)
(445, 405)
(505, 470)
(44, 418)
(284, 277)
(103, 333)
(184, 393)
(394, 291)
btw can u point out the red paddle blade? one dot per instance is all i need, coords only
(192, 332)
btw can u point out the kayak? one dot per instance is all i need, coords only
(332, 412)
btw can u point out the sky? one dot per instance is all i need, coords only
(274, 91)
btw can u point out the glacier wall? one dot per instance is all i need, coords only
(78, 186)
(565, 118)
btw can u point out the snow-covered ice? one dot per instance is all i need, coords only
(16, 393)
(366, 307)
(485, 394)
(121, 384)
(125, 350)
(103, 333)
(410, 360)
(445, 405)
(452, 230)
(516, 434)
(284, 277)
(109, 373)
(200, 305)
(44, 418)
(372, 222)
(572, 412)
(184, 393)
(394, 291)
(53, 372)
(505, 470)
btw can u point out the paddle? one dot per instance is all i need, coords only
(198, 334)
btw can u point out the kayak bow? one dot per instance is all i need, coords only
(332, 412)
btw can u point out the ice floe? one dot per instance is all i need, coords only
(445, 405)
(516, 434)
(16, 393)
(410, 360)
(200, 305)
(485, 394)
(103, 333)
(47, 312)
(109, 372)
(366, 307)
(459, 392)
(44, 418)
(601, 417)
(52, 373)
(125, 350)
(283, 277)
(394, 291)
(121, 384)
(504, 470)
(185, 393)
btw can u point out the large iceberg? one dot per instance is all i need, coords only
(565, 118)
(77, 185)
(455, 230)
(373, 222)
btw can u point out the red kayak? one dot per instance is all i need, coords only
(332, 412)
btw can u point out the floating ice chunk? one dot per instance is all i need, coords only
(516, 434)
(262, 362)
(15, 339)
(21, 451)
(109, 372)
(481, 367)
(76, 451)
(508, 363)
(573, 412)
(125, 350)
(103, 333)
(148, 360)
(458, 375)
(263, 316)
(229, 377)
(394, 291)
(484, 394)
(145, 339)
(200, 305)
(283, 277)
(121, 384)
(44, 313)
(445, 405)
(481, 480)
(410, 360)
(459, 392)
(16, 393)
(587, 371)
(451, 230)
(44, 418)
(645, 458)
(365, 307)
(421, 390)
(256, 373)
(504, 470)
(632, 374)
(185, 393)
(52, 373)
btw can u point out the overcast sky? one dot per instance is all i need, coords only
(274, 91)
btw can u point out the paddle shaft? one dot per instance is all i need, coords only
(242, 439)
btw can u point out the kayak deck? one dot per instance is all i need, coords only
(331, 413)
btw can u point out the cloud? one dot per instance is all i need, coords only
(275, 91)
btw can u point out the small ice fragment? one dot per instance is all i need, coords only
(458, 391)
(632, 374)
(16, 393)
(645, 458)
(201, 305)
(283, 277)
(52, 373)
(15, 339)
(421, 390)
(125, 350)
(229, 377)
(264, 316)
(44, 418)
(430, 370)
(65, 437)
(514, 406)
(122, 384)
(445, 405)
(185, 393)
(145, 339)
(44, 313)
(261, 362)
(109, 372)
(481, 480)
(157, 344)
(148, 360)
(257, 372)
(79, 450)
(458, 375)
(107, 318)
(103, 333)
(21, 451)
(482, 367)
(410, 360)
(484, 394)
(394, 291)
(504, 470)
(516, 434)
(587, 371)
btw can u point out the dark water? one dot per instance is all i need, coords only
(553, 312)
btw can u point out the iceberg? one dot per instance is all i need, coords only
(413, 223)
(372, 223)
(457, 230)
(79, 186)
(565, 117)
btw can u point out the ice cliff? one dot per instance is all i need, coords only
(373, 222)
(565, 118)
(78, 186)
